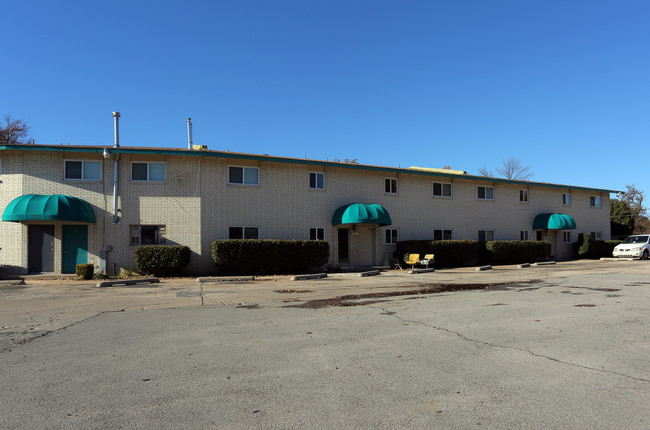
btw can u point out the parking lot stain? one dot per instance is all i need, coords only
(585, 306)
(358, 299)
(253, 306)
(606, 290)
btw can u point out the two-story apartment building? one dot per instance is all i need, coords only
(65, 205)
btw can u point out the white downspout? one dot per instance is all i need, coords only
(116, 115)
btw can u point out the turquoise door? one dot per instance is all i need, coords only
(75, 247)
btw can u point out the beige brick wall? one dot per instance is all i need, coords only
(197, 205)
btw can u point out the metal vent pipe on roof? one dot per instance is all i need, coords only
(116, 218)
(116, 115)
(189, 133)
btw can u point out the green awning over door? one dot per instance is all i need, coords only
(554, 222)
(55, 207)
(358, 213)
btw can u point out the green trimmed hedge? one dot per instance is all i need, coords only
(594, 249)
(516, 251)
(269, 256)
(448, 253)
(161, 260)
(85, 271)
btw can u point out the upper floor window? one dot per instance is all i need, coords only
(390, 186)
(243, 232)
(391, 236)
(148, 172)
(82, 170)
(316, 181)
(594, 201)
(486, 193)
(566, 199)
(442, 235)
(316, 233)
(485, 235)
(523, 196)
(243, 175)
(441, 189)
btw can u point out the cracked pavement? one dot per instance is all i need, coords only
(565, 347)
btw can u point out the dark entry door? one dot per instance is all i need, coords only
(41, 248)
(343, 245)
(75, 247)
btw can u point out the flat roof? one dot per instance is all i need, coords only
(264, 157)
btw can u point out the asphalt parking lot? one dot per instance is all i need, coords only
(566, 346)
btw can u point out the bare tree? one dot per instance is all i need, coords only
(514, 169)
(14, 132)
(484, 171)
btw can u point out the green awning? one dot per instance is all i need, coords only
(358, 213)
(554, 222)
(56, 207)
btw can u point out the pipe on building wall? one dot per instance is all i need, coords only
(116, 116)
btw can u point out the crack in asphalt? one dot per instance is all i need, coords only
(494, 345)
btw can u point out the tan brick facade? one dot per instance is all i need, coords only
(197, 205)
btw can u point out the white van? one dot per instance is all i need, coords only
(636, 246)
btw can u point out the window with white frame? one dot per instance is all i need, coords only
(391, 236)
(594, 201)
(148, 172)
(316, 233)
(566, 199)
(523, 196)
(486, 193)
(596, 235)
(147, 235)
(81, 170)
(442, 234)
(566, 236)
(485, 235)
(441, 189)
(243, 175)
(390, 186)
(523, 235)
(240, 232)
(316, 181)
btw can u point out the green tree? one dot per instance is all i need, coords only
(634, 199)
(621, 218)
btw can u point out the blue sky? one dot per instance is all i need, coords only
(563, 85)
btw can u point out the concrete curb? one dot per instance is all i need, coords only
(305, 277)
(127, 282)
(479, 269)
(225, 278)
(544, 263)
(522, 266)
(617, 259)
(368, 273)
(416, 271)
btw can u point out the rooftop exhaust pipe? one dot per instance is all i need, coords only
(189, 133)
(116, 218)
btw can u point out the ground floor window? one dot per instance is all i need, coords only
(523, 235)
(442, 234)
(316, 233)
(391, 236)
(147, 235)
(566, 236)
(596, 235)
(243, 232)
(485, 235)
(540, 235)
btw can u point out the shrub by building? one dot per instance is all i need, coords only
(161, 260)
(269, 256)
